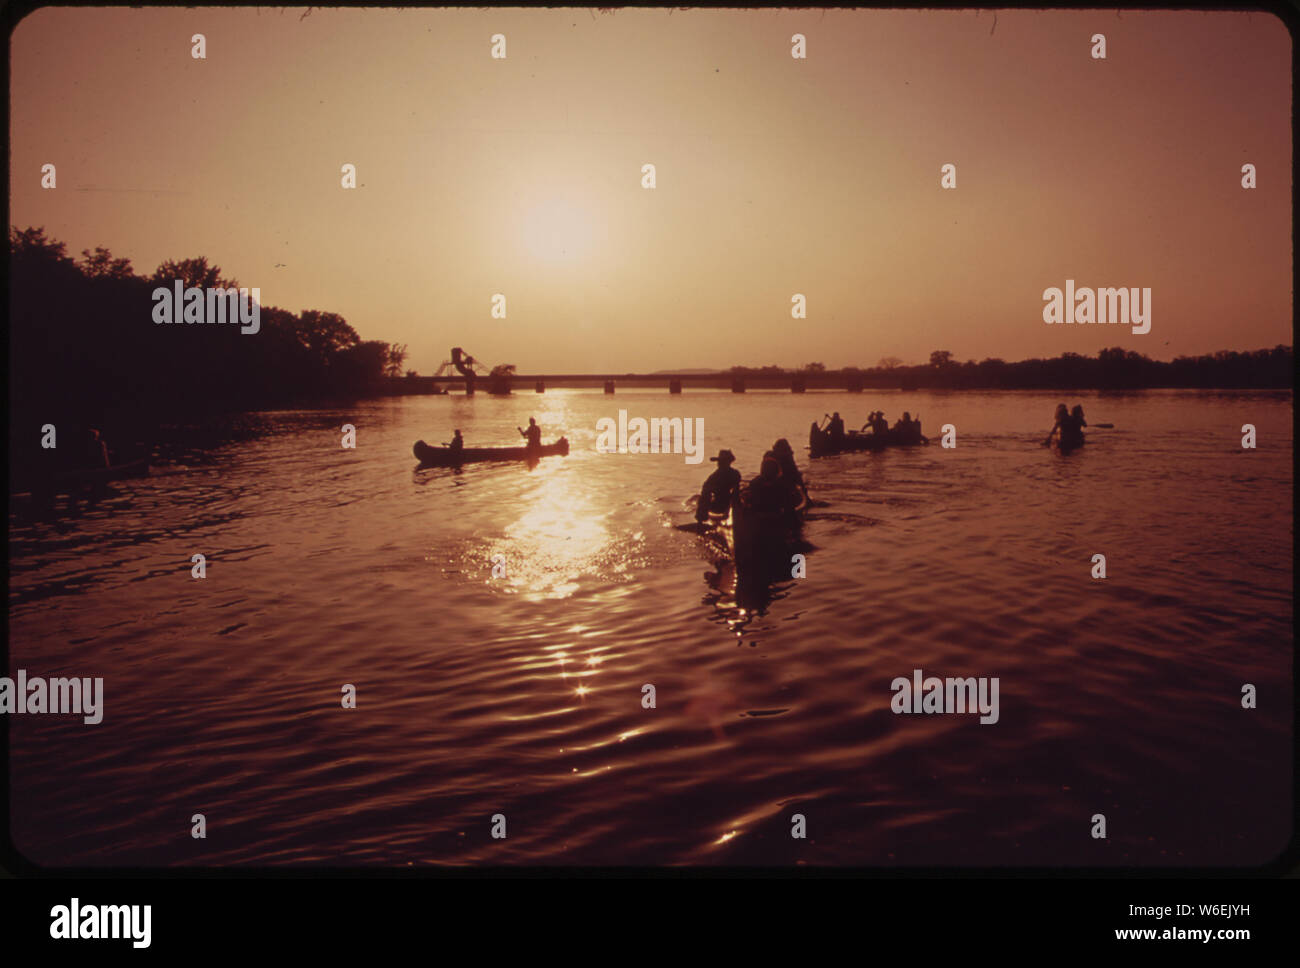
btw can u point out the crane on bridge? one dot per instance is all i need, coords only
(498, 376)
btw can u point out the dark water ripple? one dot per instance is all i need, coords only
(521, 695)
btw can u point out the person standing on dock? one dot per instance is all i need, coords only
(533, 434)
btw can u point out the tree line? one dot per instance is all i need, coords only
(1114, 368)
(82, 340)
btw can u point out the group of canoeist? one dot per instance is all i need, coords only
(833, 438)
(905, 430)
(1067, 429)
(778, 487)
(779, 484)
(532, 436)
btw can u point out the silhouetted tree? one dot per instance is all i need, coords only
(396, 357)
(101, 264)
(359, 365)
(32, 243)
(193, 273)
(325, 334)
(86, 351)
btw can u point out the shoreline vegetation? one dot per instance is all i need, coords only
(85, 352)
(1114, 368)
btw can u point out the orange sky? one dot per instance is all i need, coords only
(775, 175)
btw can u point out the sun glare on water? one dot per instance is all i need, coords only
(556, 540)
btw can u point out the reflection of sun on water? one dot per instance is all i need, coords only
(562, 537)
(555, 542)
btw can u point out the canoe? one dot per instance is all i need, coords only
(1067, 447)
(820, 445)
(446, 457)
(763, 546)
(762, 542)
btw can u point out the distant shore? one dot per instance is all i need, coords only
(1259, 370)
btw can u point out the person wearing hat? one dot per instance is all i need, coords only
(790, 470)
(719, 488)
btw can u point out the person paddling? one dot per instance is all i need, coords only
(767, 493)
(1072, 428)
(790, 470)
(457, 444)
(533, 434)
(719, 488)
(1060, 418)
(837, 430)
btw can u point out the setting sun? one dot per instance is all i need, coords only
(557, 230)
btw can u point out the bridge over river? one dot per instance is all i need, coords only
(669, 382)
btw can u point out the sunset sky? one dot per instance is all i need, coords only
(774, 175)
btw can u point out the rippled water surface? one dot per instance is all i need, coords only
(522, 695)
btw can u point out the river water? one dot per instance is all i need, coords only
(522, 695)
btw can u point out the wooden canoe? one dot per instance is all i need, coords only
(446, 457)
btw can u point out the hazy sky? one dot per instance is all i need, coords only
(774, 175)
